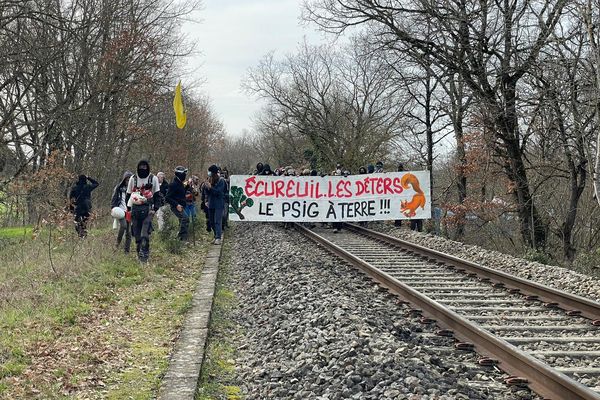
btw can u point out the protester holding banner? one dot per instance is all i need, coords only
(363, 171)
(216, 188)
(267, 170)
(398, 222)
(337, 226)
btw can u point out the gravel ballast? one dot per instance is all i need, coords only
(553, 276)
(315, 328)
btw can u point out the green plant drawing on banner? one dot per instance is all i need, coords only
(238, 201)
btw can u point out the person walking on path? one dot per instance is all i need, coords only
(119, 201)
(204, 203)
(80, 202)
(225, 176)
(192, 191)
(216, 188)
(143, 200)
(176, 199)
(164, 186)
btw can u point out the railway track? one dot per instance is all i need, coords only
(542, 337)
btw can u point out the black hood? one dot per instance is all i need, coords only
(82, 180)
(145, 173)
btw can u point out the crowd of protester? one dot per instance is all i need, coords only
(139, 197)
(265, 169)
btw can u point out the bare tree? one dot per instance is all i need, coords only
(342, 101)
(83, 78)
(590, 14)
(491, 45)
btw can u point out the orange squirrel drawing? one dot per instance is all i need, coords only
(409, 208)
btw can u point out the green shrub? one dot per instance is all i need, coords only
(588, 262)
(538, 256)
(168, 235)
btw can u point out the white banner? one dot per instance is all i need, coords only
(369, 197)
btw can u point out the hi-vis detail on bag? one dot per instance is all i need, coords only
(372, 197)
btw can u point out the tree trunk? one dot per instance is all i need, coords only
(567, 226)
(532, 228)
(461, 179)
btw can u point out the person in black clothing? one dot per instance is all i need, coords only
(80, 201)
(266, 170)
(164, 186)
(416, 225)
(118, 200)
(362, 171)
(204, 203)
(259, 169)
(176, 199)
(143, 200)
(225, 175)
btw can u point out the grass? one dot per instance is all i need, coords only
(217, 378)
(94, 323)
(15, 232)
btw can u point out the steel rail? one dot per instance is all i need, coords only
(588, 308)
(543, 379)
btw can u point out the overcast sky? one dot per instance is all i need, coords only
(234, 35)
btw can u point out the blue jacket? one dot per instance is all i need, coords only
(216, 195)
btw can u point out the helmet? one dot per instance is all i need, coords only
(180, 169)
(117, 213)
(181, 172)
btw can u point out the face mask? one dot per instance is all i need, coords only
(143, 173)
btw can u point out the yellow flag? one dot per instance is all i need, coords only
(180, 114)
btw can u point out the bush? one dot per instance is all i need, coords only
(539, 257)
(168, 235)
(588, 262)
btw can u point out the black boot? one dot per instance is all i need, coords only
(144, 250)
